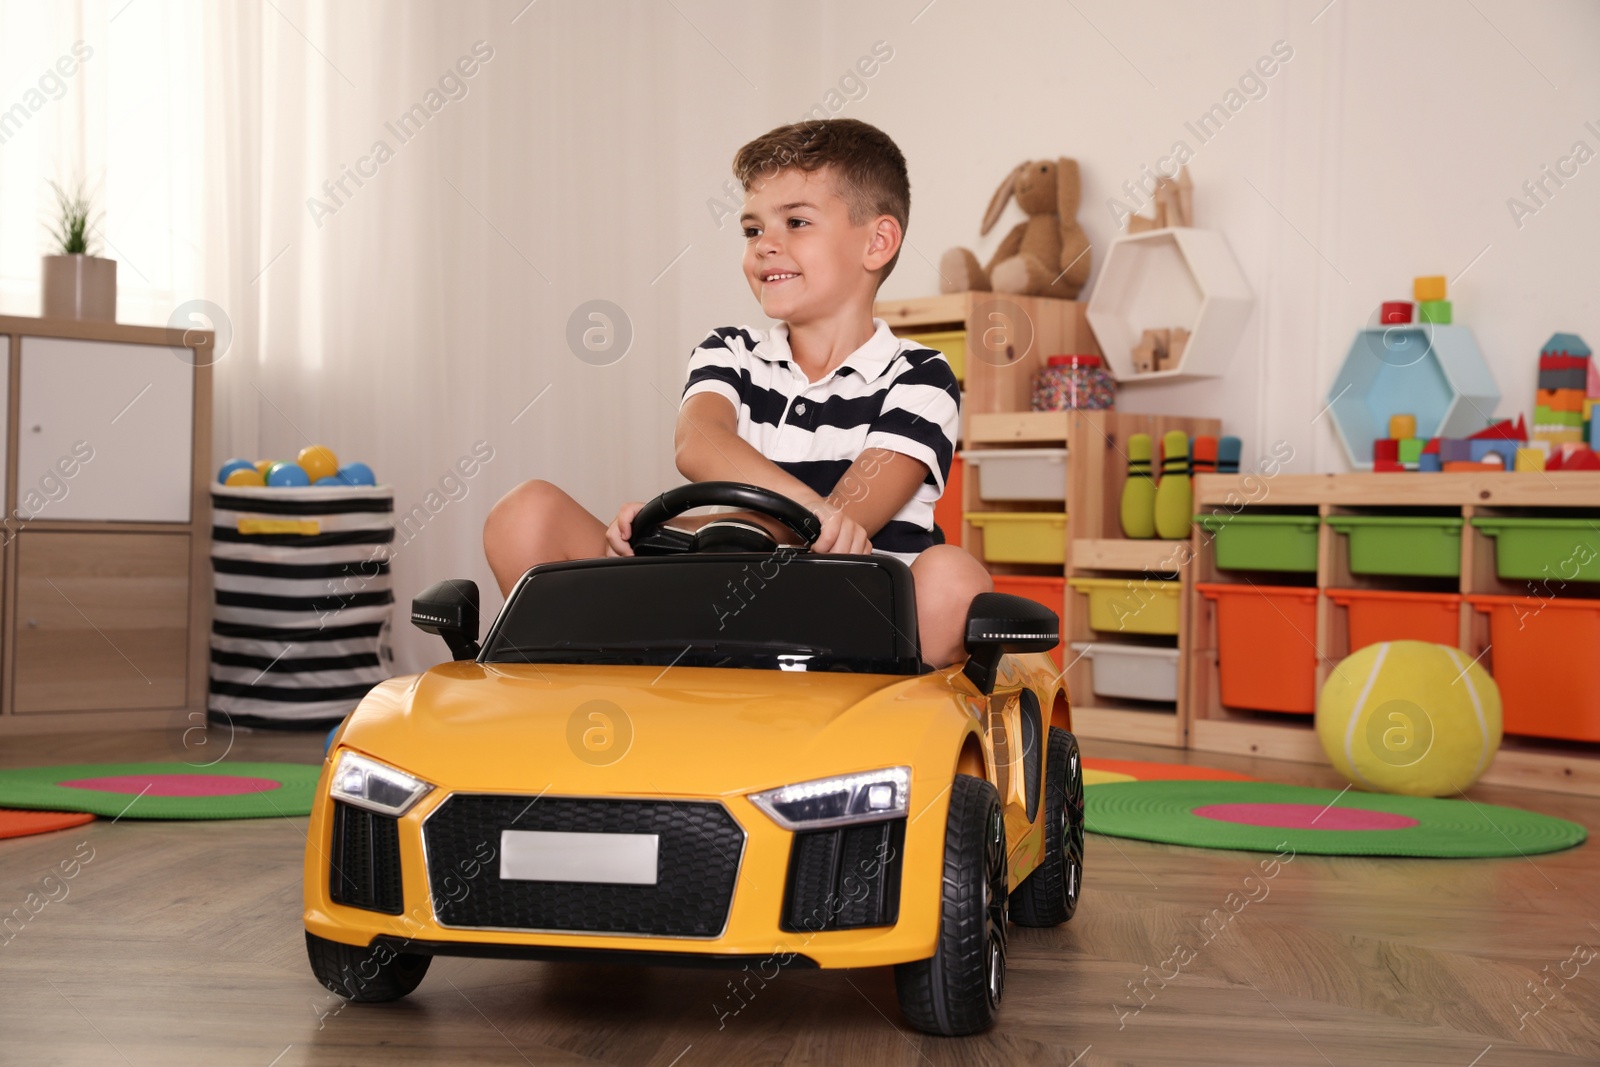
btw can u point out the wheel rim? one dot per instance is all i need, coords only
(994, 902)
(1072, 830)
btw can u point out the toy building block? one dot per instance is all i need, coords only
(1565, 400)
(1386, 450)
(1454, 450)
(1569, 345)
(1581, 458)
(1395, 312)
(1410, 451)
(1428, 462)
(1402, 426)
(1504, 430)
(1593, 388)
(1504, 451)
(1436, 312)
(1432, 447)
(1529, 459)
(1573, 378)
(1429, 287)
(1467, 466)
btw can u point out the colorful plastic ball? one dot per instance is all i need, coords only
(245, 476)
(318, 461)
(231, 466)
(264, 465)
(357, 474)
(332, 480)
(1410, 717)
(287, 476)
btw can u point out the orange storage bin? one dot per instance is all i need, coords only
(947, 511)
(1387, 615)
(1051, 592)
(1266, 645)
(1543, 661)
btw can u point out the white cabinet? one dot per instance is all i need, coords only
(105, 432)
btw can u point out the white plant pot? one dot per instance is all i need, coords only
(80, 287)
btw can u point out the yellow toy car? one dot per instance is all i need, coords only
(719, 750)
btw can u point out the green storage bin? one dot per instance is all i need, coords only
(1416, 545)
(1564, 549)
(1247, 542)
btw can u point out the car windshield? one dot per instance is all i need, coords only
(766, 612)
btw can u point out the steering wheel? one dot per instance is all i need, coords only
(651, 537)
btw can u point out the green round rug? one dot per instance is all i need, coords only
(165, 790)
(1266, 817)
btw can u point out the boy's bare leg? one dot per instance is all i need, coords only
(538, 523)
(947, 578)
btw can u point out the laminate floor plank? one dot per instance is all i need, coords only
(180, 943)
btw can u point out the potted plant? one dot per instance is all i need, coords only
(77, 283)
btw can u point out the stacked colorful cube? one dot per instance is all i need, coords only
(1566, 382)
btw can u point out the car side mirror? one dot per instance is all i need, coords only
(999, 624)
(449, 609)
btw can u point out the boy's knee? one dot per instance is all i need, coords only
(525, 503)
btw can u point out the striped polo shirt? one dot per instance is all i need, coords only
(890, 393)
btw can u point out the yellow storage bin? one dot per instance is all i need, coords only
(1022, 536)
(953, 343)
(1131, 605)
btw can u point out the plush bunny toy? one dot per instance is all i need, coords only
(1048, 255)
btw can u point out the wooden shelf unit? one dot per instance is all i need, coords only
(1523, 761)
(996, 414)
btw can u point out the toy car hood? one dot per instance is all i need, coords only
(610, 730)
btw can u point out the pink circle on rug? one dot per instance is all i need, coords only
(1305, 817)
(176, 785)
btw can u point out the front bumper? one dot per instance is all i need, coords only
(458, 905)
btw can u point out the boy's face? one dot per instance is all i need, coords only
(803, 257)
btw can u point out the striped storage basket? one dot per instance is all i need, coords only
(299, 630)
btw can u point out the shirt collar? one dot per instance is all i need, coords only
(869, 361)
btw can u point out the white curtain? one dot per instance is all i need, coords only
(410, 201)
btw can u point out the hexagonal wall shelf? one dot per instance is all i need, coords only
(1436, 373)
(1165, 278)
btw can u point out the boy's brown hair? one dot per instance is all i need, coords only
(868, 166)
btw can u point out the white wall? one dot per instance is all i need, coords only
(415, 321)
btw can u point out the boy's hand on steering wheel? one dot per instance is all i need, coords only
(840, 533)
(621, 529)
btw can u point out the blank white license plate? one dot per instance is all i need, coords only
(549, 856)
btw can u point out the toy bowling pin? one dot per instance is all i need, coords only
(1174, 495)
(1229, 451)
(1139, 491)
(1205, 455)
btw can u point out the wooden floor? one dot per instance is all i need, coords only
(180, 943)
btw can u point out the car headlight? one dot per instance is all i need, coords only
(847, 798)
(366, 783)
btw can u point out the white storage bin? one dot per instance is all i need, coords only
(1134, 672)
(1020, 473)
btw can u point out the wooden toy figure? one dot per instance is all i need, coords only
(1174, 494)
(1139, 491)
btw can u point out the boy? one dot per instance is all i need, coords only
(828, 407)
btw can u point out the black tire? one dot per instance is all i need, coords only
(1049, 895)
(958, 990)
(365, 975)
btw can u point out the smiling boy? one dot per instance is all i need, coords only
(827, 407)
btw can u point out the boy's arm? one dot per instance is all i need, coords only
(709, 449)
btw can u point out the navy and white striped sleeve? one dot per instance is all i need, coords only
(714, 365)
(921, 414)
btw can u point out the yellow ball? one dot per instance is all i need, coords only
(261, 468)
(1409, 717)
(244, 476)
(318, 461)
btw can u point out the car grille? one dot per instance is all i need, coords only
(700, 847)
(365, 871)
(844, 878)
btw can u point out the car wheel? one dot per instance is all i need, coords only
(1049, 895)
(366, 975)
(958, 990)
